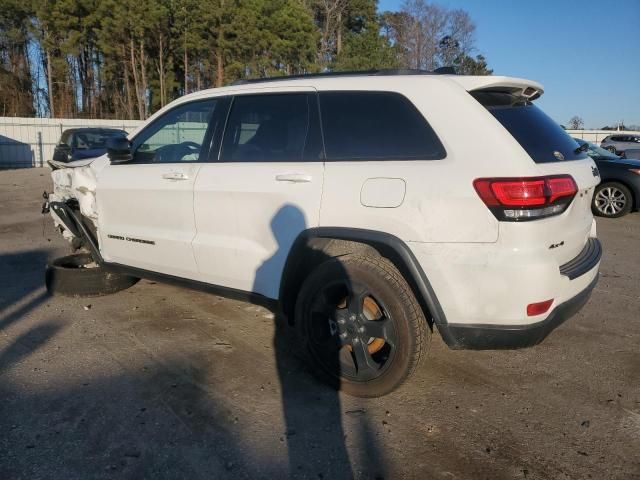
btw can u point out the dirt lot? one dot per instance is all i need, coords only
(162, 382)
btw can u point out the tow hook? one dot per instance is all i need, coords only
(45, 205)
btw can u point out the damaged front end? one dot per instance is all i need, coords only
(72, 204)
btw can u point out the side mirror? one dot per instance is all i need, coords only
(119, 150)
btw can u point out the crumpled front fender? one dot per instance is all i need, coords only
(79, 183)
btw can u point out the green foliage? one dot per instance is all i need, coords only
(466, 65)
(128, 58)
(366, 50)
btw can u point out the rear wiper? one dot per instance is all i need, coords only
(582, 148)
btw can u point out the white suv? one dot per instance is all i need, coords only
(371, 208)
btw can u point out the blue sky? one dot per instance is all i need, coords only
(585, 53)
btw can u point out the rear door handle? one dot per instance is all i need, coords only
(175, 176)
(294, 177)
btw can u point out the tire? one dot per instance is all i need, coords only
(73, 276)
(352, 301)
(612, 200)
(612, 149)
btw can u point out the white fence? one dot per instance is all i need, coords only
(29, 142)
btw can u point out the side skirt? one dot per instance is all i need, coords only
(232, 293)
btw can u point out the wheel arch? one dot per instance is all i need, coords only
(315, 245)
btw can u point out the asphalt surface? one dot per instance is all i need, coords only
(163, 382)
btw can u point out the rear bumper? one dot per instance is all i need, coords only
(495, 337)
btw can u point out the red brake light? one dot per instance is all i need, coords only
(516, 199)
(519, 193)
(560, 187)
(538, 308)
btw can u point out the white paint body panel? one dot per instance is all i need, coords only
(247, 221)
(137, 202)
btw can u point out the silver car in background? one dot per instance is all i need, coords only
(621, 142)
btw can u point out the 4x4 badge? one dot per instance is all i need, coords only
(595, 171)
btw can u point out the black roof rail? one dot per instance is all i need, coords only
(352, 73)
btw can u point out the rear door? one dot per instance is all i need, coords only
(554, 153)
(261, 190)
(145, 207)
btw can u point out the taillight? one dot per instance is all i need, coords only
(522, 199)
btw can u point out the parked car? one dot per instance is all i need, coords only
(620, 142)
(619, 191)
(369, 209)
(82, 143)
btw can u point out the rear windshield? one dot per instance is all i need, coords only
(542, 138)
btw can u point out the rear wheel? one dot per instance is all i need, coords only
(612, 149)
(361, 324)
(612, 199)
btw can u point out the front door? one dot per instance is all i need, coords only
(145, 207)
(260, 192)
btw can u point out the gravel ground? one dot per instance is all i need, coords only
(163, 382)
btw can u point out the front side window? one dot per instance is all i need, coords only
(376, 126)
(267, 128)
(177, 136)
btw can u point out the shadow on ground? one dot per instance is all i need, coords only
(164, 418)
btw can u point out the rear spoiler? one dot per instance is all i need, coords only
(518, 86)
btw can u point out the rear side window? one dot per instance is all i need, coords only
(542, 138)
(376, 126)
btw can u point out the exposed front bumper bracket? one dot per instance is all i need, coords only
(70, 216)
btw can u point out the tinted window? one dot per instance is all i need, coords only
(375, 126)
(267, 128)
(542, 138)
(176, 136)
(66, 138)
(95, 139)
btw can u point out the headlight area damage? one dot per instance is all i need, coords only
(72, 204)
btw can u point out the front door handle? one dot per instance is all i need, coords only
(175, 176)
(294, 177)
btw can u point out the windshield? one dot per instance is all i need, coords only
(596, 152)
(96, 139)
(542, 138)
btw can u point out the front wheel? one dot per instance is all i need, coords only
(612, 200)
(361, 324)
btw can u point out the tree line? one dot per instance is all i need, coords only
(128, 58)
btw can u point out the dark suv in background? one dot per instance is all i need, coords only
(81, 143)
(619, 191)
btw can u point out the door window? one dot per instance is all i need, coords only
(267, 128)
(177, 136)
